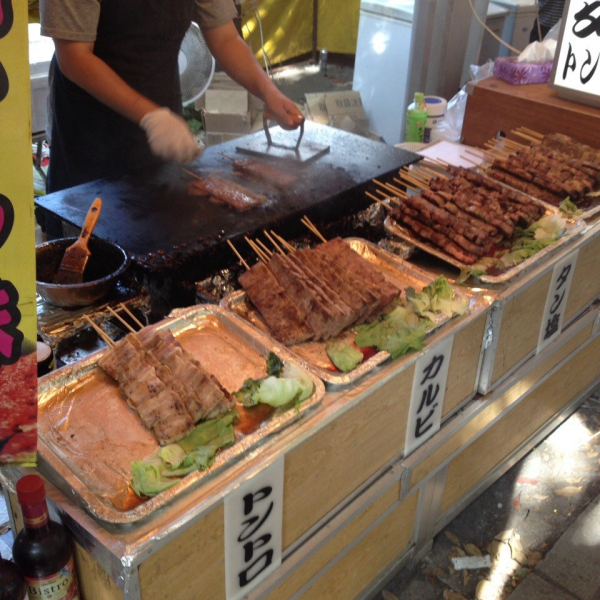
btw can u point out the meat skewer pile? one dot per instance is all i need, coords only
(315, 293)
(552, 169)
(164, 383)
(262, 172)
(222, 191)
(465, 215)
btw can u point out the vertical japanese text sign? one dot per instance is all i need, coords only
(18, 364)
(428, 392)
(556, 301)
(253, 524)
(578, 57)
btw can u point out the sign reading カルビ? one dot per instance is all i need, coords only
(427, 396)
(18, 364)
(556, 300)
(253, 523)
(577, 62)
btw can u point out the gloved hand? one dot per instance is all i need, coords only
(168, 135)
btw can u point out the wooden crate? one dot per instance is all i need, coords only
(541, 405)
(518, 312)
(354, 556)
(470, 424)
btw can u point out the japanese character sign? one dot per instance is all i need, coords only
(577, 67)
(556, 301)
(253, 537)
(428, 392)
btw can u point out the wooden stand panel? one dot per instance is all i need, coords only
(486, 416)
(585, 286)
(367, 559)
(94, 582)
(520, 326)
(464, 365)
(494, 105)
(488, 451)
(331, 464)
(322, 557)
(191, 566)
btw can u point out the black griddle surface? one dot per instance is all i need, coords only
(148, 212)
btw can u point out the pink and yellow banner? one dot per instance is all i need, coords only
(18, 363)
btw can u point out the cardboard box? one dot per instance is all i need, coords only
(342, 110)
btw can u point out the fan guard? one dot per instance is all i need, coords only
(196, 65)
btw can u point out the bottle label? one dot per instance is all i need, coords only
(35, 516)
(60, 586)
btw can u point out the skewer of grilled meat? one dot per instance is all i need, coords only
(572, 147)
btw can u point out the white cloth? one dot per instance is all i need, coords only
(169, 136)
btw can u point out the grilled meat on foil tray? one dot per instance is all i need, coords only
(151, 368)
(222, 191)
(315, 293)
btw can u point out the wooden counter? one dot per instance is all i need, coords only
(494, 105)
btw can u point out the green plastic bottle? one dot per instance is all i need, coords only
(416, 117)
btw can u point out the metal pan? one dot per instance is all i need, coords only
(106, 264)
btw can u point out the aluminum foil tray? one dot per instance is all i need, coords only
(574, 228)
(88, 436)
(312, 355)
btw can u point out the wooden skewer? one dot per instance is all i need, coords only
(131, 315)
(417, 175)
(415, 182)
(532, 133)
(393, 199)
(496, 153)
(260, 243)
(285, 243)
(480, 155)
(261, 255)
(274, 242)
(385, 195)
(469, 160)
(310, 225)
(103, 335)
(114, 313)
(192, 174)
(529, 138)
(513, 144)
(435, 173)
(390, 188)
(408, 186)
(242, 261)
(380, 202)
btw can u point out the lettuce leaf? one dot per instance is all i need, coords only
(438, 297)
(344, 356)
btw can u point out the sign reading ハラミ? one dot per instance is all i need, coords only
(577, 67)
(18, 363)
(253, 530)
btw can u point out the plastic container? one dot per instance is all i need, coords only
(416, 117)
(436, 113)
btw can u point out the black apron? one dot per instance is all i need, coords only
(140, 40)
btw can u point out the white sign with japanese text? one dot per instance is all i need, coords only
(253, 524)
(556, 301)
(578, 56)
(427, 396)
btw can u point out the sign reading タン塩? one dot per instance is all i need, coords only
(253, 523)
(577, 62)
(556, 300)
(427, 396)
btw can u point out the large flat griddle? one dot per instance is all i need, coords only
(151, 212)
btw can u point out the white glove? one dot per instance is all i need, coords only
(168, 135)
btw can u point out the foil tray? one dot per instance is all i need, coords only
(312, 355)
(585, 214)
(81, 400)
(574, 227)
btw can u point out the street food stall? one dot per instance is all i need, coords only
(313, 353)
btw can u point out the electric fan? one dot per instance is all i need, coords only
(196, 65)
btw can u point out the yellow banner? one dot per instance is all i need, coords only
(18, 361)
(287, 27)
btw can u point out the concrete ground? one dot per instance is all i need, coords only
(540, 524)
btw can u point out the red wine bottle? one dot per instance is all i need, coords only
(42, 550)
(12, 582)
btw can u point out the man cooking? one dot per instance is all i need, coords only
(115, 95)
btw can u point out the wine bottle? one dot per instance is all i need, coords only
(42, 549)
(12, 582)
